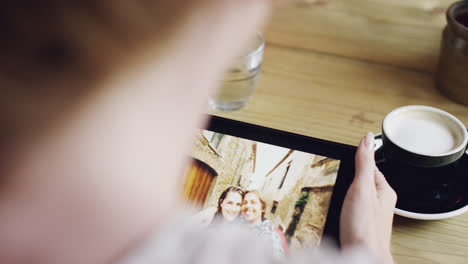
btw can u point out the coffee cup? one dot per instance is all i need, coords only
(423, 136)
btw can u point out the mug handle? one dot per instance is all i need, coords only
(466, 149)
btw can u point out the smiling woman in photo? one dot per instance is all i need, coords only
(253, 212)
(253, 208)
(228, 209)
(229, 204)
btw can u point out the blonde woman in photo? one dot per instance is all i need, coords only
(253, 212)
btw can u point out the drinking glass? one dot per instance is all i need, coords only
(240, 81)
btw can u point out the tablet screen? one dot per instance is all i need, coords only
(262, 185)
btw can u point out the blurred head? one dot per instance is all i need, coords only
(59, 53)
(253, 207)
(95, 87)
(229, 203)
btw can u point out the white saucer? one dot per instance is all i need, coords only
(420, 216)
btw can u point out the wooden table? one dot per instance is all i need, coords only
(334, 68)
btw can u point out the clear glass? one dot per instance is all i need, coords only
(240, 81)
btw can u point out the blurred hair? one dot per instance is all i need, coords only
(260, 198)
(224, 194)
(54, 53)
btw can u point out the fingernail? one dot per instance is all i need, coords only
(369, 141)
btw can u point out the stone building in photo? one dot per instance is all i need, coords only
(219, 161)
(298, 192)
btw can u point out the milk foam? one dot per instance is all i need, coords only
(422, 136)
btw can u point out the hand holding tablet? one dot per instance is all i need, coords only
(367, 214)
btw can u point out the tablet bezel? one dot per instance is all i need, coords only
(342, 152)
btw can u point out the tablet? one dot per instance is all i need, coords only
(289, 183)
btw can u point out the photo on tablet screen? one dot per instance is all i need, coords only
(278, 189)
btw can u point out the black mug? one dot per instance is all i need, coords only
(423, 158)
(423, 136)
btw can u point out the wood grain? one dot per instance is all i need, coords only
(333, 97)
(400, 33)
(333, 69)
(443, 241)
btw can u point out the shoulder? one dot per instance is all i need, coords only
(183, 241)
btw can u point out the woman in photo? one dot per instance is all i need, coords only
(228, 209)
(253, 212)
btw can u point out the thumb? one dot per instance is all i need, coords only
(365, 163)
(384, 190)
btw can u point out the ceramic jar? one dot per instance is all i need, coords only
(452, 73)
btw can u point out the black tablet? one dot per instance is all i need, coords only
(293, 184)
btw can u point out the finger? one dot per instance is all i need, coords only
(380, 181)
(384, 190)
(365, 163)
